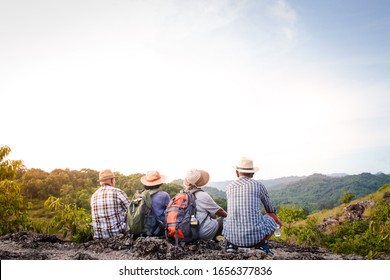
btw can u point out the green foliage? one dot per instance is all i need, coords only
(347, 197)
(69, 220)
(368, 237)
(129, 184)
(309, 234)
(289, 215)
(71, 186)
(33, 183)
(317, 192)
(8, 168)
(13, 209)
(364, 237)
(214, 192)
(171, 188)
(222, 202)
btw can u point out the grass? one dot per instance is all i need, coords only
(38, 213)
(338, 211)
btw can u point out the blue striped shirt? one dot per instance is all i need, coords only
(245, 224)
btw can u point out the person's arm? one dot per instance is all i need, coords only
(221, 213)
(269, 208)
(206, 202)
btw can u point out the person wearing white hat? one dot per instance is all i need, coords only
(109, 206)
(208, 213)
(245, 225)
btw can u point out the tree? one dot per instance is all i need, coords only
(70, 220)
(347, 197)
(222, 202)
(13, 210)
(289, 215)
(33, 183)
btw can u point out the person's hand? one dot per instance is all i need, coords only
(279, 222)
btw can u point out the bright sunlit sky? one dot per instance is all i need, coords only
(300, 86)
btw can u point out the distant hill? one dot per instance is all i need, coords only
(214, 192)
(314, 192)
(318, 191)
(221, 185)
(281, 181)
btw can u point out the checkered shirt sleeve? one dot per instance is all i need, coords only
(245, 224)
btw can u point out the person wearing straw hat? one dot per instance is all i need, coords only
(109, 206)
(208, 213)
(153, 181)
(245, 225)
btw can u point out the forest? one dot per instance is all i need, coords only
(57, 202)
(318, 192)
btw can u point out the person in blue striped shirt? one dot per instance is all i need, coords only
(246, 225)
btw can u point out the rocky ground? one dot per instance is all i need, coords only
(29, 246)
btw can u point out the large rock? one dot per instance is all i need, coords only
(29, 246)
(355, 211)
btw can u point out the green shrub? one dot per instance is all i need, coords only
(13, 209)
(309, 234)
(71, 221)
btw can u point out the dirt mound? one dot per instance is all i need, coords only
(30, 246)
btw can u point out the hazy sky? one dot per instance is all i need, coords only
(300, 86)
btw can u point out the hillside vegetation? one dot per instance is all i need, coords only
(317, 192)
(57, 203)
(361, 226)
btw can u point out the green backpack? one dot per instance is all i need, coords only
(140, 217)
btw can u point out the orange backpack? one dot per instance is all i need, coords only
(178, 217)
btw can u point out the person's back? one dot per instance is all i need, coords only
(245, 225)
(207, 209)
(153, 181)
(109, 207)
(160, 201)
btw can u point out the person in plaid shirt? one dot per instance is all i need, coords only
(245, 225)
(109, 206)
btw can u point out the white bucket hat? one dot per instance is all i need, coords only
(245, 165)
(196, 177)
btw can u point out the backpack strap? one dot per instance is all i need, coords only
(160, 225)
(153, 191)
(194, 191)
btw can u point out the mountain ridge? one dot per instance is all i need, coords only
(314, 192)
(269, 183)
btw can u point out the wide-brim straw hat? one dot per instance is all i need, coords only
(153, 178)
(105, 175)
(195, 177)
(245, 165)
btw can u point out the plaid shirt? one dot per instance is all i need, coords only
(245, 225)
(109, 211)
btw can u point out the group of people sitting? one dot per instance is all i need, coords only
(243, 225)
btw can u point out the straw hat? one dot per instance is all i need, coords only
(153, 178)
(245, 165)
(196, 177)
(105, 175)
